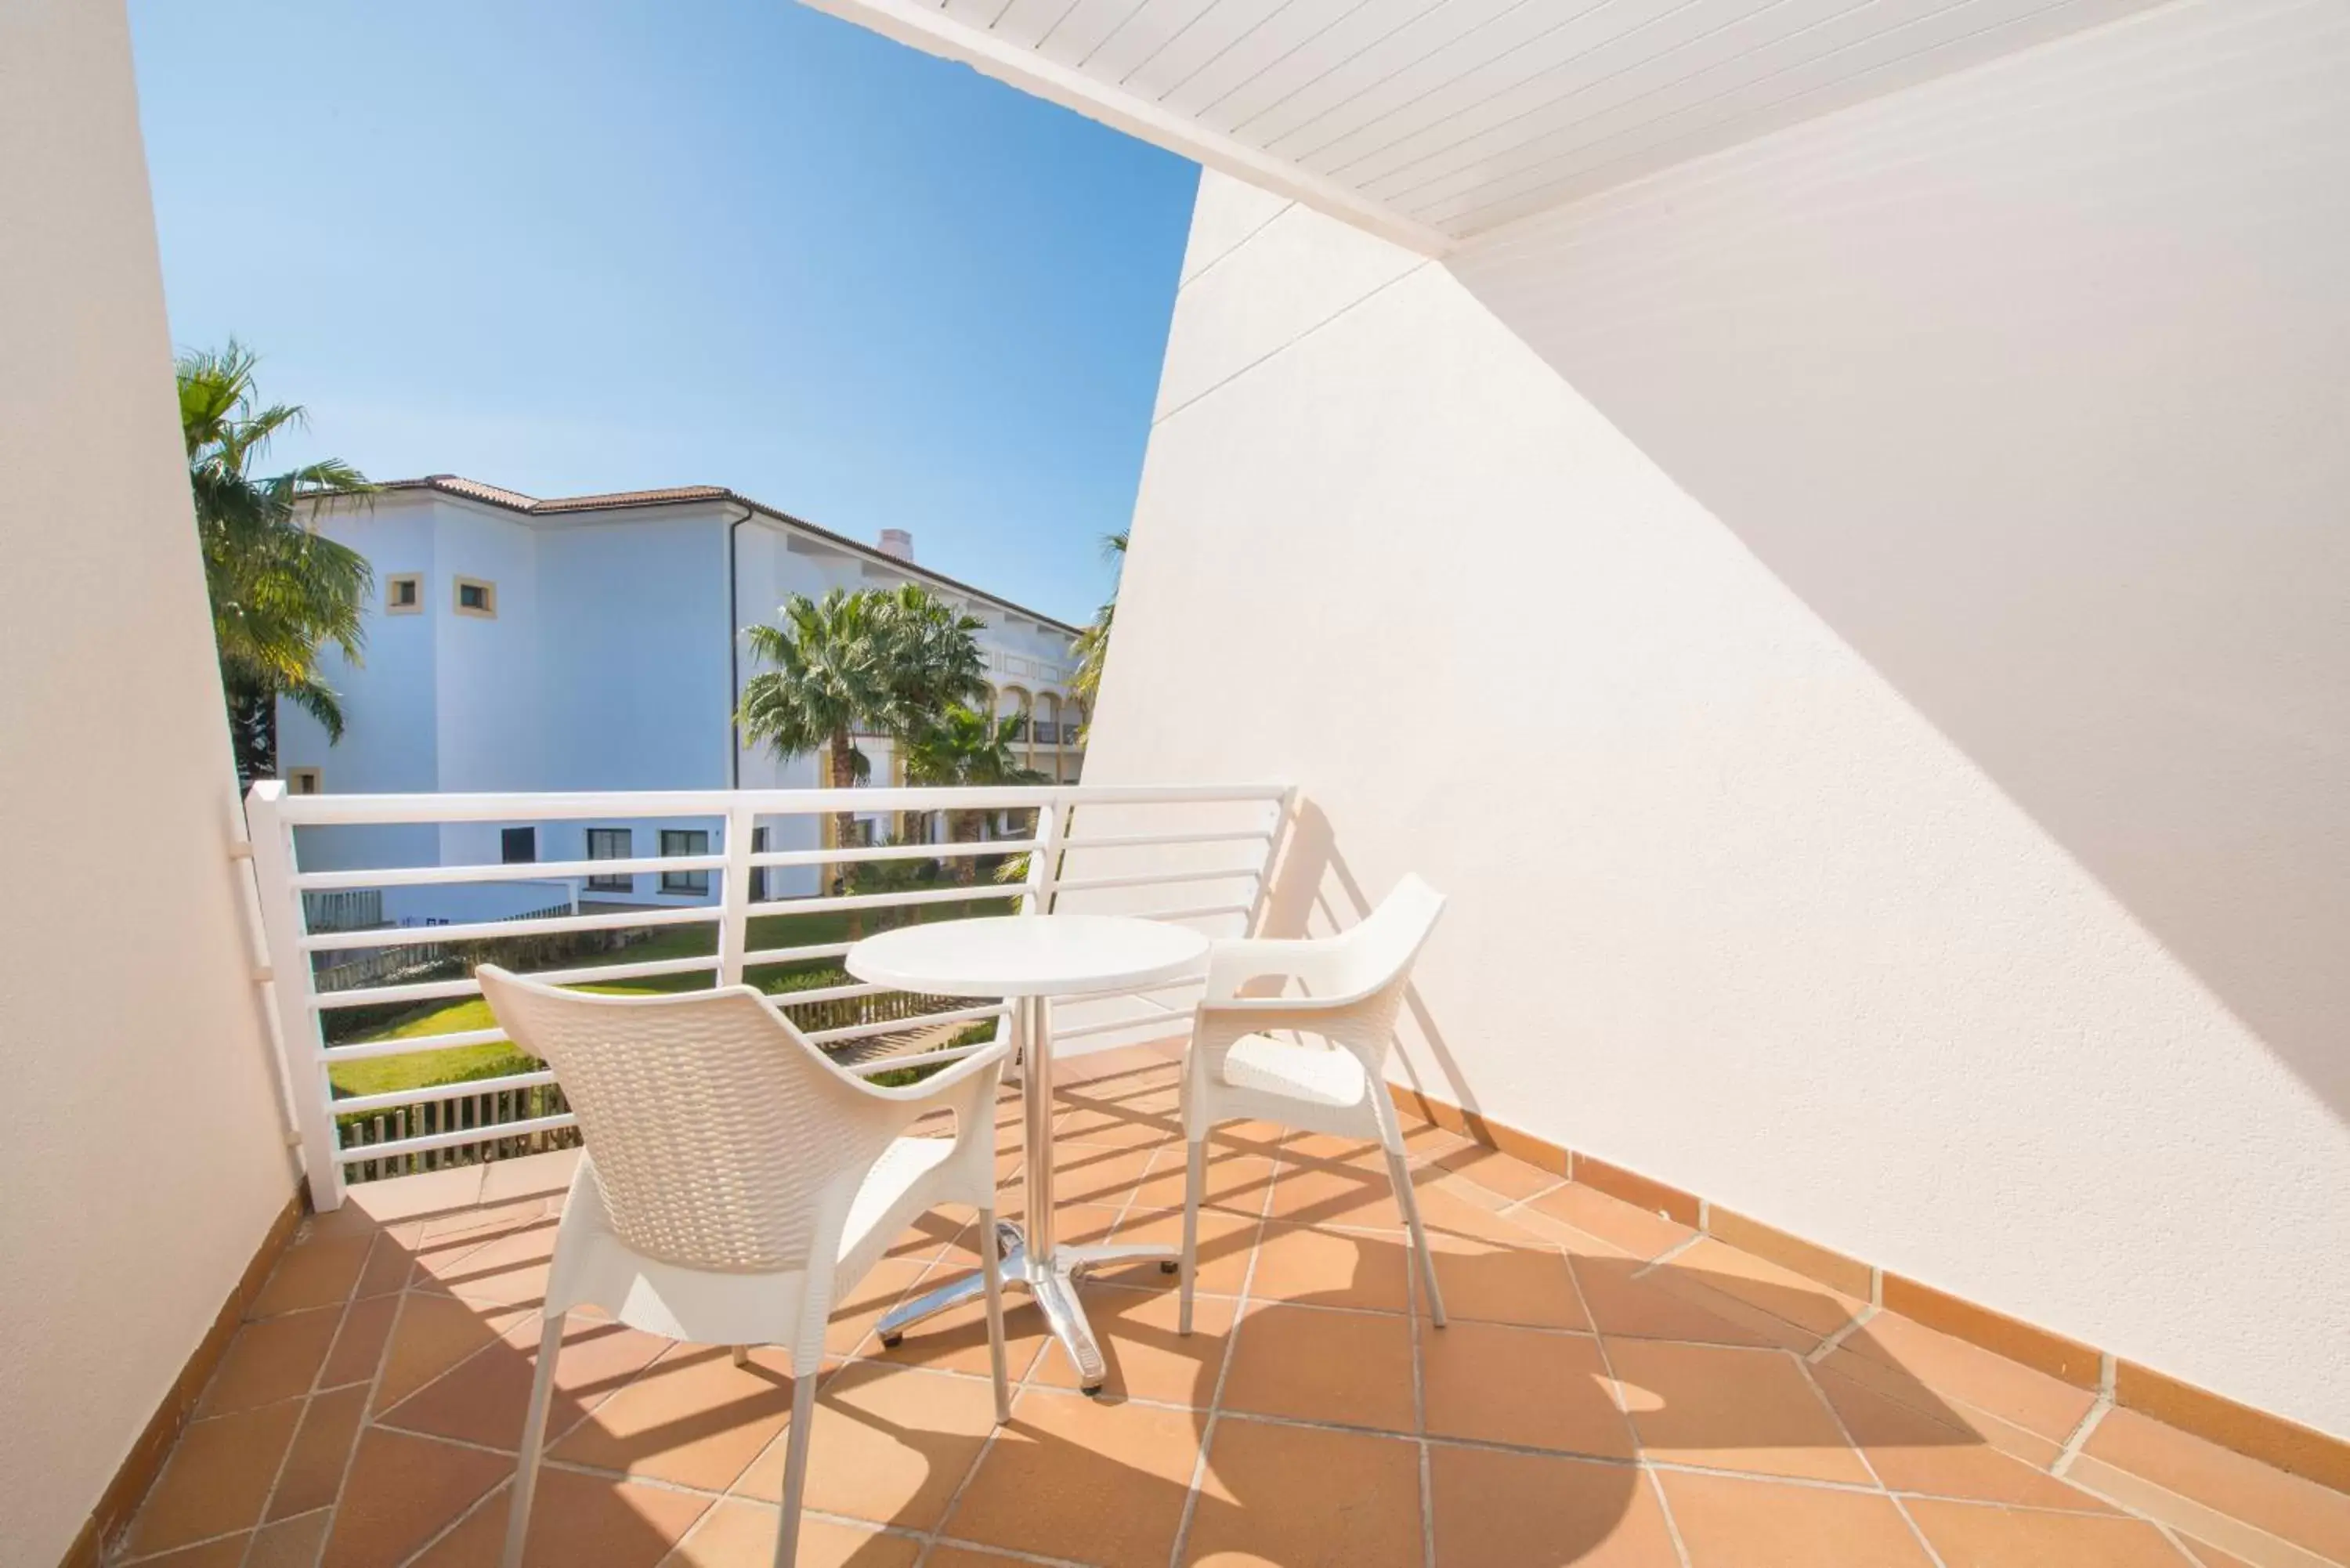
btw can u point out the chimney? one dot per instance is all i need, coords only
(898, 543)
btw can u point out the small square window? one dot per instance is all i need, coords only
(475, 597)
(610, 844)
(518, 845)
(684, 842)
(303, 780)
(403, 594)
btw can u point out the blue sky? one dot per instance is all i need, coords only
(616, 243)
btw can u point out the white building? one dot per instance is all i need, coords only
(593, 642)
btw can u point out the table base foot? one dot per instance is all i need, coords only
(1053, 1282)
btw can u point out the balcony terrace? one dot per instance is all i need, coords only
(1879, 1093)
(1616, 1388)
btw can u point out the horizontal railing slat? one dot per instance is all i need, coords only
(1201, 913)
(1147, 840)
(392, 1148)
(508, 871)
(355, 1104)
(826, 993)
(485, 930)
(453, 1040)
(1155, 878)
(439, 990)
(908, 1024)
(860, 855)
(920, 1059)
(622, 805)
(763, 957)
(841, 902)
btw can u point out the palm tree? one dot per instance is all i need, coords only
(278, 589)
(966, 748)
(871, 661)
(1092, 645)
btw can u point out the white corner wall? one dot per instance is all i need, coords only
(1875, 683)
(127, 1020)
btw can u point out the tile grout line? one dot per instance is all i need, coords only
(1803, 1367)
(1853, 1326)
(1415, 1298)
(2178, 1544)
(2078, 1439)
(1640, 1461)
(1670, 1254)
(1013, 1390)
(1520, 1203)
(310, 1395)
(1028, 1379)
(1183, 1521)
(1665, 1507)
(1916, 1532)
(537, 1316)
(374, 1389)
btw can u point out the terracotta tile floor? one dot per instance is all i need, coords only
(1613, 1392)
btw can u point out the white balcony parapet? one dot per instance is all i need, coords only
(298, 916)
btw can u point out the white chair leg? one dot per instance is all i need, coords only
(1195, 1181)
(795, 1453)
(1409, 1201)
(991, 1272)
(742, 1354)
(534, 1437)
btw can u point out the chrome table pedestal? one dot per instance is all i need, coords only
(1032, 1259)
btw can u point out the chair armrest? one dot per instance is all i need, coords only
(1233, 963)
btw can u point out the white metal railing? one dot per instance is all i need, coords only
(1026, 667)
(1210, 847)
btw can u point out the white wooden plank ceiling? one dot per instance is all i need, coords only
(1435, 121)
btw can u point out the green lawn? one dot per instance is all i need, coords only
(381, 1074)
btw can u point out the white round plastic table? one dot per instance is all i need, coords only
(1031, 959)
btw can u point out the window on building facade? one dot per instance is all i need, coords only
(475, 597)
(610, 844)
(303, 780)
(685, 841)
(403, 594)
(518, 845)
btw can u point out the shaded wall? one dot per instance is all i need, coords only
(127, 1010)
(1858, 625)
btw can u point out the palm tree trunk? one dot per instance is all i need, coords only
(253, 730)
(962, 828)
(844, 826)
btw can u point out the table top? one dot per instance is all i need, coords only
(1030, 955)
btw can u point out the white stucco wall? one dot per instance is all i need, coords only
(126, 1005)
(1877, 692)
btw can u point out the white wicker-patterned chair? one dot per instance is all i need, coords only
(735, 1184)
(1235, 1072)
